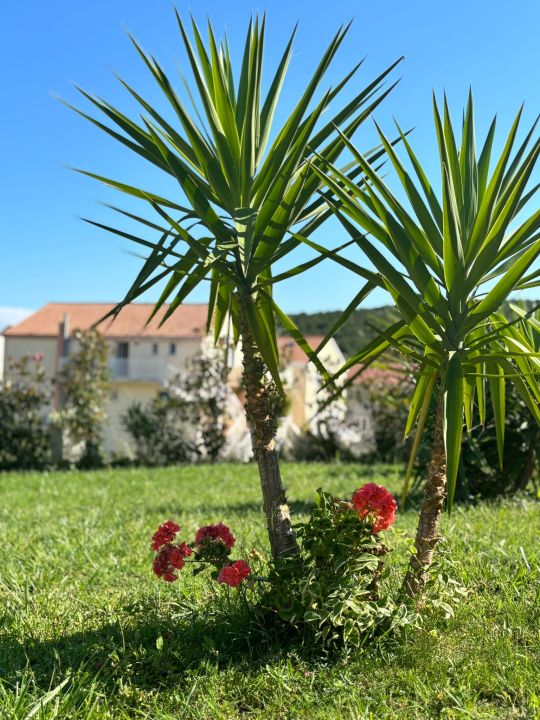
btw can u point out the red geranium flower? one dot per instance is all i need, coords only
(169, 559)
(164, 534)
(377, 504)
(214, 533)
(234, 574)
(177, 555)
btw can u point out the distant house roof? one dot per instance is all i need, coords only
(187, 321)
(391, 374)
(291, 352)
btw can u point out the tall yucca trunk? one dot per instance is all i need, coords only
(427, 533)
(527, 470)
(260, 404)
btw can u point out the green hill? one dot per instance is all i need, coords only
(360, 328)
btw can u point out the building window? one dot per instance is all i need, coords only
(121, 364)
(172, 349)
(122, 350)
(155, 349)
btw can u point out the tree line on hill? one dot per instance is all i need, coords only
(362, 326)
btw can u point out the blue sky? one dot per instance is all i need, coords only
(49, 254)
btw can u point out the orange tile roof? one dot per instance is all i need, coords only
(187, 321)
(391, 374)
(291, 352)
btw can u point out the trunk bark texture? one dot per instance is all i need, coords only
(427, 534)
(528, 467)
(261, 399)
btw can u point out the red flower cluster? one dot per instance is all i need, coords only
(234, 574)
(214, 533)
(212, 545)
(164, 534)
(169, 559)
(377, 504)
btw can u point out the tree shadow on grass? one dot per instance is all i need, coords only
(224, 509)
(152, 651)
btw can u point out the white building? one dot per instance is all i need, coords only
(144, 356)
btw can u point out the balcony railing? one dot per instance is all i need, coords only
(138, 369)
(142, 369)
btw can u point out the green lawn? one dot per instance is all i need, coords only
(86, 630)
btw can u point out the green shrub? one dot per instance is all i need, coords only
(185, 421)
(157, 430)
(84, 386)
(331, 591)
(480, 474)
(24, 434)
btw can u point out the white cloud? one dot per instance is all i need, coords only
(12, 315)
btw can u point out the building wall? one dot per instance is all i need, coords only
(302, 379)
(332, 358)
(142, 356)
(123, 393)
(294, 382)
(18, 347)
(143, 348)
(359, 413)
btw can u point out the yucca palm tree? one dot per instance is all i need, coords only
(242, 186)
(449, 264)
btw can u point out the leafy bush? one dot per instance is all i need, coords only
(157, 430)
(331, 590)
(333, 433)
(480, 473)
(388, 392)
(24, 434)
(186, 421)
(84, 385)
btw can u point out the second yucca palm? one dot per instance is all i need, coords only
(449, 261)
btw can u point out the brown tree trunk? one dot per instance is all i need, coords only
(528, 468)
(261, 399)
(427, 535)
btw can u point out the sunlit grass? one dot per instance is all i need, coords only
(86, 631)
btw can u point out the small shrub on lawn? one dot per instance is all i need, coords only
(480, 475)
(330, 591)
